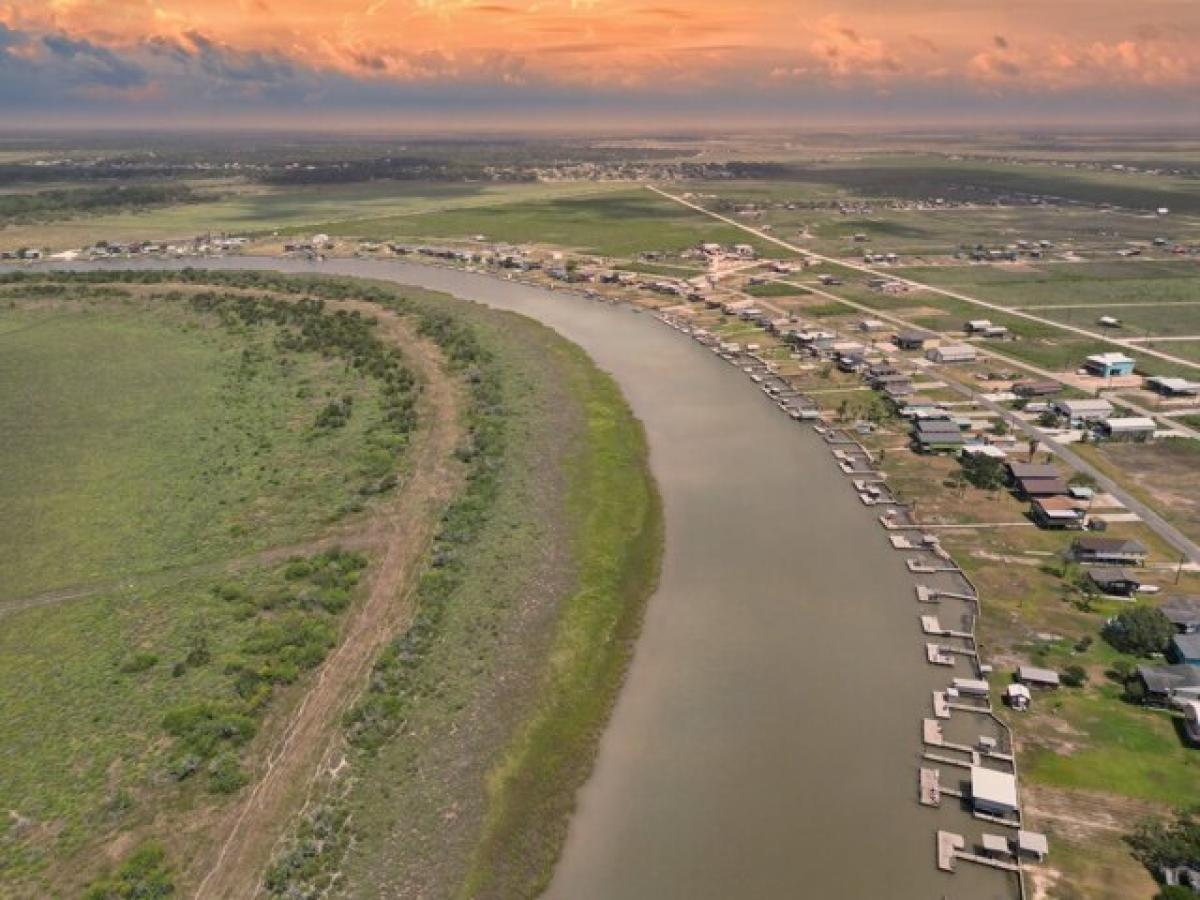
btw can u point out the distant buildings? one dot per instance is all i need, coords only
(1106, 551)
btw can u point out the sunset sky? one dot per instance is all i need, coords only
(392, 63)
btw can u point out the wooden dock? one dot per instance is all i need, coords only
(931, 732)
(935, 655)
(931, 787)
(941, 706)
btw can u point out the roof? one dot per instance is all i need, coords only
(1033, 842)
(1182, 610)
(1129, 423)
(932, 425)
(1188, 645)
(1032, 470)
(1164, 679)
(1045, 486)
(1084, 407)
(1037, 675)
(1017, 690)
(996, 843)
(1109, 359)
(1109, 545)
(1057, 504)
(913, 336)
(1178, 385)
(999, 788)
(1103, 575)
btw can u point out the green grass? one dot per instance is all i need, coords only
(620, 223)
(148, 441)
(1124, 750)
(775, 289)
(616, 523)
(262, 210)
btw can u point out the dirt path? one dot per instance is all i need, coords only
(248, 831)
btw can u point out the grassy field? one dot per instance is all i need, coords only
(149, 441)
(621, 221)
(162, 429)
(257, 209)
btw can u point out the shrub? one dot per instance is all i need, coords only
(139, 662)
(1074, 676)
(1140, 631)
(143, 876)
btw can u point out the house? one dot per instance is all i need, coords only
(984, 328)
(952, 353)
(1184, 650)
(914, 340)
(1033, 676)
(1127, 428)
(1108, 365)
(1172, 387)
(872, 325)
(939, 436)
(1113, 580)
(1057, 512)
(993, 792)
(1164, 685)
(1183, 613)
(1019, 470)
(1108, 551)
(1081, 412)
(1036, 388)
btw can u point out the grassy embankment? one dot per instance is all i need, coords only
(134, 700)
(481, 720)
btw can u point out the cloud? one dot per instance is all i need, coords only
(89, 64)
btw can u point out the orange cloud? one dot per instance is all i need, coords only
(1153, 43)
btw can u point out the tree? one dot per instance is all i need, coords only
(1168, 842)
(1001, 428)
(1175, 892)
(1074, 676)
(1140, 630)
(985, 472)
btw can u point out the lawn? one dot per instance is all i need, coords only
(141, 439)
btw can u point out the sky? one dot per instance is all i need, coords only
(397, 64)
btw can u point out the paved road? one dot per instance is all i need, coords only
(954, 295)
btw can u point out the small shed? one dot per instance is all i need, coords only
(1018, 696)
(1113, 580)
(1128, 428)
(996, 845)
(1035, 676)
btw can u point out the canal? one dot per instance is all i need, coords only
(767, 739)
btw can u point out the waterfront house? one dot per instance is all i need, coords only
(1108, 365)
(1018, 470)
(1057, 512)
(1163, 685)
(1108, 551)
(1081, 412)
(1183, 613)
(1184, 650)
(993, 792)
(939, 436)
(1035, 676)
(1127, 428)
(1033, 487)
(1113, 580)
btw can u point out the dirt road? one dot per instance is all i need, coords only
(296, 744)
